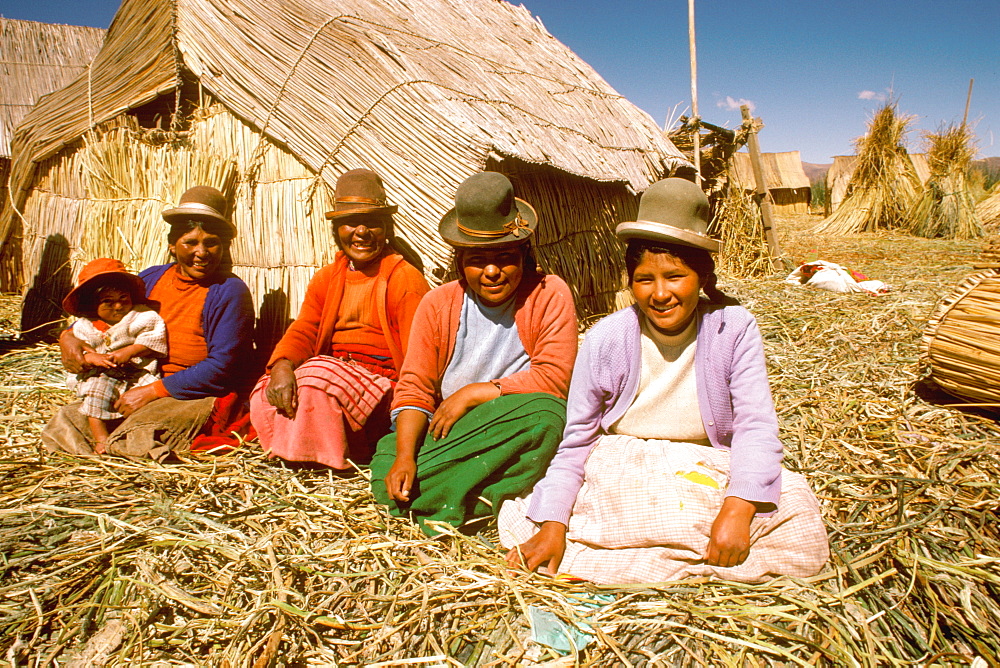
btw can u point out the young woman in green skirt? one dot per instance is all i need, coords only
(480, 404)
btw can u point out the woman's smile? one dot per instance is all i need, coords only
(666, 291)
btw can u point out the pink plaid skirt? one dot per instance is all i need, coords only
(645, 514)
(334, 420)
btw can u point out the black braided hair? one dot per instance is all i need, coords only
(699, 260)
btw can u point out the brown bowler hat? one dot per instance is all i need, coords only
(486, 214)
(98, 271)
(203, 203)
(359, 191)
(673, 211)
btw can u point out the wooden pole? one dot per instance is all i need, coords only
(764, 199)
(968, 100)
(695, 120)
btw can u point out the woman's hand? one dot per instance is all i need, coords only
(135, 399)
(399, 479)
(457, 405)
(729, 544)
(546, 546)
(72, 350)
(282, 392)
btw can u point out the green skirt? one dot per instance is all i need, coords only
(496, 451)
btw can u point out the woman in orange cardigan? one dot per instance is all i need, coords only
(480, 406)
(330, 377)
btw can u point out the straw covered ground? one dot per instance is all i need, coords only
(236, 561)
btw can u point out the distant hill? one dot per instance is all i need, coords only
(815, 172)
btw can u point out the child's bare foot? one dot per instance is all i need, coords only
(100, 447)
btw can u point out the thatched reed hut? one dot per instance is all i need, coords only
(271, 101)
(787, 183)
(842, 169)
(35, 59)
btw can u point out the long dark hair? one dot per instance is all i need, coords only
(699, 260)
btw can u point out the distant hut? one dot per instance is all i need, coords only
(272, 100)
(988, 210)
(787, 183)
(839, 175)
(35, 59)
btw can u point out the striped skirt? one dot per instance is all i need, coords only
(342, 412)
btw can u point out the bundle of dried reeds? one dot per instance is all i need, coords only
(884, 185)
(960, 343)
(737, 223)
(988, 210)
(250, 563)
(946, 208)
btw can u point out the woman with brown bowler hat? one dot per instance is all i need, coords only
(325, 397)
(209, 317)
(670, 465)
(480, 404)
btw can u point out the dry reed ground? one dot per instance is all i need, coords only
(238, 561)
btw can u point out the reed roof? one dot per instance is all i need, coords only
(337, 82)
(781, 170)
(36, 59)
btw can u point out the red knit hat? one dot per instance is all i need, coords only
(103, 267)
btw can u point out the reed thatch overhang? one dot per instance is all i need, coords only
(423, 93)
(787, 182)
(35, 59)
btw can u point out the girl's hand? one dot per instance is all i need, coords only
(101, 361)
(282, 391)
(546, 546)
(399, 480)
(457, 405)
(729, 544)
(120, 356)
(135, 399)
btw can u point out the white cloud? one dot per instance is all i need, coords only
(733, 104)
(872, 95)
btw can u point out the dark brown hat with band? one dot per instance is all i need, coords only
(359, 191)
(486, 213)
(203, 203)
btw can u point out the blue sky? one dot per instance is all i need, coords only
(813, 70)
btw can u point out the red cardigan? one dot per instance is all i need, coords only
(397, 293)
(546, 323)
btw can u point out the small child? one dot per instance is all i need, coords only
(121, 337)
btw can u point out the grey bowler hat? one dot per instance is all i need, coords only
(673, 211)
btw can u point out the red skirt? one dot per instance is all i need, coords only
(342, 411)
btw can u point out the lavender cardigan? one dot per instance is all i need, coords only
(733, 395)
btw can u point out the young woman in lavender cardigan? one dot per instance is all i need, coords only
(670, 464)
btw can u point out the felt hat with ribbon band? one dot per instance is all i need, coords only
(100, 272)
(359, 191)
(486, 213)
(673, 211)
(202, 203)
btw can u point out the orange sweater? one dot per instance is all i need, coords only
(546, 323)
(312, 332)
